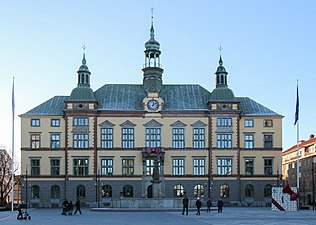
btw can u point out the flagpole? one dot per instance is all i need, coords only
(298, 139)
(298, 157)
(12, 164)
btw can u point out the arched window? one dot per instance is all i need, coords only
(198, 190)
(249, 191)
(178, 190)
(55, 192)
(35, 191)
(128, 191)
(81, 191)
(268, 190)
(106, 191)
(224, 191)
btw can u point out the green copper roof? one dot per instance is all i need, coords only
(82, 93)
(129, 97)
(152, 44)
(222, 94)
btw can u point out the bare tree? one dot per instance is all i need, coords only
(5, 176)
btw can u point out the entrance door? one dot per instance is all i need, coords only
(150, 191)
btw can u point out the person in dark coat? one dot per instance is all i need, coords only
(198, 205)
(185, 203)
(20, 216)
(77, 204)
(208, 205)
(220, 205)
(65, 207)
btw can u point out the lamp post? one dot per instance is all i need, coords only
(313, 182)
(1, 194)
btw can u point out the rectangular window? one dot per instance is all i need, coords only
(81, 141)
(81, 121)
(55, 167)
(248, 123)
(224, 166)
(198, 167)
(35, 141)
(35, 167)
(55, 122)
(268, 123)
(249, 167)
(127, 137)
(198, 138)
(268, 141)
(81, 167)
(178, 167)
(178, 137)
(153, 137)
(224, 122)
(35, 123)
(127, 167)
(224, 140)
(249, 141)
(150, 165)
(55, 140)
(106, 137)
(107, 167)
(268, 167)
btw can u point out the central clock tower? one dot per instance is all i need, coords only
(152, 74)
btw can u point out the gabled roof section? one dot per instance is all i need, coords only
(52, 107)
(185, 97)
(120, 97)
(250, 107)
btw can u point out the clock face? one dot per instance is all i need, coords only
(153, 105)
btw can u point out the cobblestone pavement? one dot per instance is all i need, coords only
(229, 216)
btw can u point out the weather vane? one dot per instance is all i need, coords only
(84, 47)
(220, 49)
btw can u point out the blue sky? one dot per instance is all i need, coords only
(267, 45)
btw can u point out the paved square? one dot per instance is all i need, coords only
(229, 216)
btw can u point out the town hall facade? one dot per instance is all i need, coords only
(149, 141)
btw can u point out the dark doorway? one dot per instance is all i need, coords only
(150, 191)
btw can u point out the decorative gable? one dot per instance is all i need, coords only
(178, 124)
(106, 124)
(153, 123)
(199, 123)
(127, 123)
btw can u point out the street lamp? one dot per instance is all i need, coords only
(313, 181)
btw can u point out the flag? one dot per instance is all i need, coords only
(297, 106)
(13, 100)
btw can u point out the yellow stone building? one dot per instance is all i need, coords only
(132, 144)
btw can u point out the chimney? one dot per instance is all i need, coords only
(311, 136)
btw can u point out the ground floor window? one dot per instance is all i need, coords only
(55, 192)
(81, 191)
(199, 190)
(128, 191)
(35, 191)
(224, 191)
(178, 190)
(268, 190)
(249, 191)
(106, 191)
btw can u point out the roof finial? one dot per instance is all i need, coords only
(220, 55)
(84, 53)
(152, 32)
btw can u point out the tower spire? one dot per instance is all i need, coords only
(152, 67)
(221, 74)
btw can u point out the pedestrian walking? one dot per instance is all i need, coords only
(208, 205)
(198, 205)
(220, 205)
(77, 204)
(20, 216)
(185, 203)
